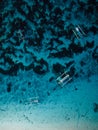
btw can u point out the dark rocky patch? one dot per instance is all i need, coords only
(51, 79)
(92, 2)
(90, 9)
(63, 53)
(69, 63)
(19, 24)
(9, 85)
(82, 63)
(9, 60)
(72, 71)
(95, 107)
(89, 44)
(93, 29)
(29, 83)
(95, 53)
(76, 75)
(40, 67)
(58, 11)
(58, 68)
(40, 31)
(75, 48)
(13, 70)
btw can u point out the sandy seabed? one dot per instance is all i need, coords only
(66, 109)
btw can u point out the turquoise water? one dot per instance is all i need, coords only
(49, 57)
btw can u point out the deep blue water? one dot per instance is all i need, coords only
(42, 39)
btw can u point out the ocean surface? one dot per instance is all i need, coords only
(49, 64)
